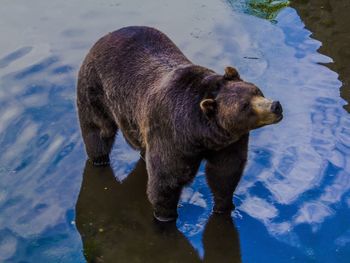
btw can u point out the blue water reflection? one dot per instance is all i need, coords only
(293, 202)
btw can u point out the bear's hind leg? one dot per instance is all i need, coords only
(97, 125)
(98, 134)
(224, 169)
(98, 146)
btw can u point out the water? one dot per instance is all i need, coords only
(328, 21)
(292, 204)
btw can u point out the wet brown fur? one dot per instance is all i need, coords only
(137, 80)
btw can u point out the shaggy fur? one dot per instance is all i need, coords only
(176, 113)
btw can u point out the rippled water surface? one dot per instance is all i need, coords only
(292, 203)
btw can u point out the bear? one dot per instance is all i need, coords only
(176, 113)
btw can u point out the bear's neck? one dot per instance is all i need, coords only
(214, 137)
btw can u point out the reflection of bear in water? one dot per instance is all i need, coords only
(116, 224)
(173, 111)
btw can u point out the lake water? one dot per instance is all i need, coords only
(292, 204)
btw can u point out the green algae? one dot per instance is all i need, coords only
(266, 9)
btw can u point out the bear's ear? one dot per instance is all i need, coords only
(231, 74)
(208, 106)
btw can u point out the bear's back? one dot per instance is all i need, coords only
(136, 50)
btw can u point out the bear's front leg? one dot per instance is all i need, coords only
(224, 169)
(168, 172)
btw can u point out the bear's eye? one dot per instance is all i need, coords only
(245, 106)
(259, 93)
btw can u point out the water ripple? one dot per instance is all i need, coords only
(17, 54)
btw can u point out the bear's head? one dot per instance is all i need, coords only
(238, 106)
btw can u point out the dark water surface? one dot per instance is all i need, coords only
(329, 22)
(293, 202)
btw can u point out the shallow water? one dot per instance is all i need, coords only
(292, 204)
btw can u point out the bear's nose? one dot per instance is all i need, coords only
(276, 107)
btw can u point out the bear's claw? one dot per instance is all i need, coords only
(223, 210)
(100, 161)
(164, 219)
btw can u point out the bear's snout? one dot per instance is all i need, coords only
(268, 111)
(276, 107)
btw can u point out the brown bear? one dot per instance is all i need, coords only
(175, 112)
